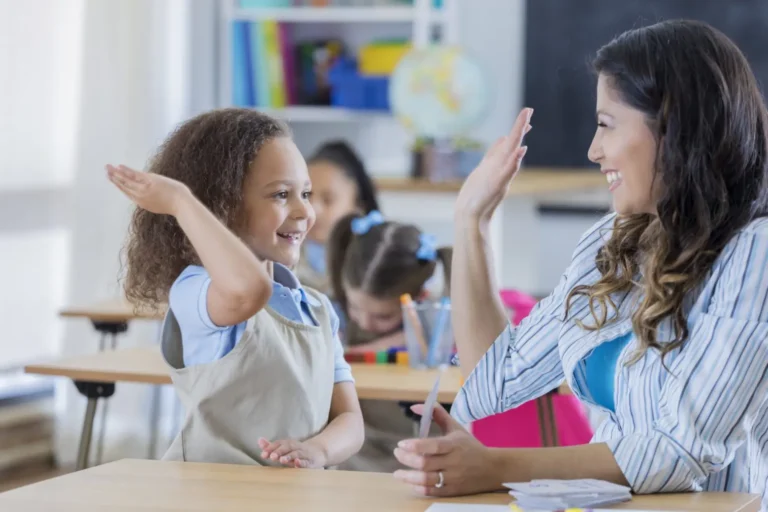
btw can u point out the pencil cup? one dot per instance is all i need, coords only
(428, 333)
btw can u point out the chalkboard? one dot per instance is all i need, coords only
(562, 37)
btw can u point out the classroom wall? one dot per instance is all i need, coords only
(134, 82)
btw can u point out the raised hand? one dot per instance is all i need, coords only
(155, 193)
(487, 185)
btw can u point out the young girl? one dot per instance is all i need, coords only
(340, 186)
(255, 357)
(373, 263)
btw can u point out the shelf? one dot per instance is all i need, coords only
(335, 15)
(530, 181)
(323, 114)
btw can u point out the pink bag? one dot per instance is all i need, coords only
(520, 427)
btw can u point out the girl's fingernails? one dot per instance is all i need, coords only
(523, 151)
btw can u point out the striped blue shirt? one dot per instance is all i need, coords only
(702, 425)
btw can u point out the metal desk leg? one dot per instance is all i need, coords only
(154, 418)
(547, 423)
(92, 391)
(111, 329)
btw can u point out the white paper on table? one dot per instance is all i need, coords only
(466, 507)
(469, 507)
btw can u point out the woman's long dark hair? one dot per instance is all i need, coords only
(704, 106)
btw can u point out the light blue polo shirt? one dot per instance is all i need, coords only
(204, 342)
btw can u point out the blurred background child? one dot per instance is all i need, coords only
(372, 262)
(340, 186)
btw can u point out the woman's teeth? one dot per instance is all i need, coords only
(613, 177)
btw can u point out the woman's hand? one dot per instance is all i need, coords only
(152, 192)
(487, 185)
(466, 465)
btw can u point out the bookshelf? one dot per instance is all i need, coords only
(421, 17)
(323, 114)
(372, 14)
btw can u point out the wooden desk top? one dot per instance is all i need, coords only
(108, 310)
(146, 366)
(529, 182)
(145, 486)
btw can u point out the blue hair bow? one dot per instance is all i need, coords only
(362, 225)
(427, 251)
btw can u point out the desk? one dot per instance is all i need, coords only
(146, 366)
(95, 376)
(110, 318)
(166, 486)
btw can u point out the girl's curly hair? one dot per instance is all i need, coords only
(705, 108)
(211, 154)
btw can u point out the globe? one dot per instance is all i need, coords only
(438, 92)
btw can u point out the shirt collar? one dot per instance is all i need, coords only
(284, 278)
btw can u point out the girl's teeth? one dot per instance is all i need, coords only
(612, 177)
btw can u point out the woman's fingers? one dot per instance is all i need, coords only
(520, 128)
(420, 478)
(441, 417)
(419, 461)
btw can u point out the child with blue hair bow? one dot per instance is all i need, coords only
(372, 262)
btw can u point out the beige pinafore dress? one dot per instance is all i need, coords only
(276, 383)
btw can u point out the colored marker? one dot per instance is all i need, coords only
(413, 316)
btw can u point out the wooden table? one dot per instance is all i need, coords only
(529, 182)
(146, 366)
(95, 376)
(174, 486)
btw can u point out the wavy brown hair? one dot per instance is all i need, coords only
(211, 154)
(704, 106)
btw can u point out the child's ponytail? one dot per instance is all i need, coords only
(337, 246)
(445, 257)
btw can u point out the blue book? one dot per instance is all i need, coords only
(242, 81)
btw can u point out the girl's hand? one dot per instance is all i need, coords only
(466, 465)
(487, 185)
(152, 192)
(292, 453)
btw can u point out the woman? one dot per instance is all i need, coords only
(667, 300)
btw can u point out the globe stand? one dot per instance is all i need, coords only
(440, 160)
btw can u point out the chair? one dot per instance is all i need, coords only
(552, 420)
